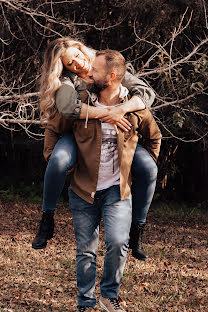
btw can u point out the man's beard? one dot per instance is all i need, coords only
(97, 87)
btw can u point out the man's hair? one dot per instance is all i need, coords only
(114, 62)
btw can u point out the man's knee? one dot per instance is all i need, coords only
(117, 242)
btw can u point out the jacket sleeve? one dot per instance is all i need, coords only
(55, 128)
(149, 133)
(67, 100)
(139, 88)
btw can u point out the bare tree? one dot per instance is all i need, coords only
(178, 75)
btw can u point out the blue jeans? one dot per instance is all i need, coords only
(116, 216)
(62, 159)
(144, 171)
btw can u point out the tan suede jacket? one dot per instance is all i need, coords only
(85, 175)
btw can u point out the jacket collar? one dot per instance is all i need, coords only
(72, 76)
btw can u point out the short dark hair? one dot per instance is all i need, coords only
(114, 61)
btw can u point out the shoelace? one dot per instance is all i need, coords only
(115, 302)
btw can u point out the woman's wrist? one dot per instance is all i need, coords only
(134, 104)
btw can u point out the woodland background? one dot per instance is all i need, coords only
(165, 41)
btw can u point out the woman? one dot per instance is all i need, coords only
(64, 76)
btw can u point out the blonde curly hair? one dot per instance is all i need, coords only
(52, 69)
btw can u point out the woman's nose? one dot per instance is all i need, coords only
(80, 62)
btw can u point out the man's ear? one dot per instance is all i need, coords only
(113, 76)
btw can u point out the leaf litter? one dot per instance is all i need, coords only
(174, 278)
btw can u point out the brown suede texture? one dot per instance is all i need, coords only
(144, 131)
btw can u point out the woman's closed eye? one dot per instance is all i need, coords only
(76, 56)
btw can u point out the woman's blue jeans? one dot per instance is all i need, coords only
(144, 172)
(63, 158)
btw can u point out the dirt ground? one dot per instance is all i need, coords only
(175, 277)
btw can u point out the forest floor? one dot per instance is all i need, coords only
(175, 277)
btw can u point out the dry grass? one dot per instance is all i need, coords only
(175, 278)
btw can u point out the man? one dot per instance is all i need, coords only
(101, 182)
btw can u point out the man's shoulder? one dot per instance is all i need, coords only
(142, 113)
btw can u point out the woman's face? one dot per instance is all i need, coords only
(75, 61)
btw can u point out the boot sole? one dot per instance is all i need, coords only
(39, 247)
(139, 258)
(42, 246)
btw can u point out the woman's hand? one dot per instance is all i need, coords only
(115, 116)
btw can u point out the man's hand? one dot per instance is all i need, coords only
(115, 116)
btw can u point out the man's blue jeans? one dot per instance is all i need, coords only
(116, 216)
(144, 172)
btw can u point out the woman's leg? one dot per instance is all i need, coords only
(144, 171)
(62, 159)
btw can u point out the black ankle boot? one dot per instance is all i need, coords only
(45, 231)
(135, 242)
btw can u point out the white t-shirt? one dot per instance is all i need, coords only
(109, 171)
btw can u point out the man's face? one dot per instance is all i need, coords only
(98, 73)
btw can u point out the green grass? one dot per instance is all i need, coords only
(169, 209)
(32, 193)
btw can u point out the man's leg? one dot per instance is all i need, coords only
(86, 219)
(117, 216)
